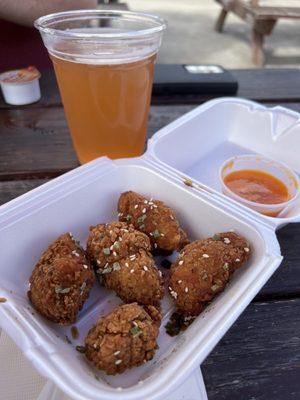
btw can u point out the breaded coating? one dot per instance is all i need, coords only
(108, 243)
(203, 269)
(155, 219)
(134, 278)
(121, 258)
(61, 281)
(124, 338)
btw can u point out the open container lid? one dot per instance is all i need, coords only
(198, 143)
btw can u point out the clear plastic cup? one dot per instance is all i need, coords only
(104, 63)
(279, 170)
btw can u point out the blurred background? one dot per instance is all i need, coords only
(191, 36)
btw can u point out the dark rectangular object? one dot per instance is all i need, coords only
(193, 79)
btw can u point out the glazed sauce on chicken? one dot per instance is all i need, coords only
(257, 186)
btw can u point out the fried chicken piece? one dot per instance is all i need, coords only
(124, 338)
(61, 281)
(108, 243)
(134, 278)
(203, 269)
(122, 262)
(155, 219)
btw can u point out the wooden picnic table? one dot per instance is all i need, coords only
(259, 358)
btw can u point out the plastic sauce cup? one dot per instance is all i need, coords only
(277, 169)
(21, 86)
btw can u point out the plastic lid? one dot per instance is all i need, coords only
(23, 75)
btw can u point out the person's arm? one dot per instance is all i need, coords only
(25, 12)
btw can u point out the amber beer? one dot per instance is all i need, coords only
(104, 63)
(106, 106)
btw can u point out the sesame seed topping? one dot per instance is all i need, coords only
(120, 214)
(226, 240)
(117, 352)
(145, 268)
(246, 249)
(205, 256)
(155, 245)
(144, 210)
(215, 287)
(173, 294)
(111, 247)
(237, 260)
(95, 345)
(186, 289)
(132, 257)
(75, 253)
(114, 254)
(135, 323)
(120, 239)
(126, 265)
(146, 201)
(180, 281)
(170, 288)
(132, 271)
(136, 206)
(98, 262)
(160, 273)
(180, 262)
(85, 266)
(162, 234)
(110, 232)
(117, 362)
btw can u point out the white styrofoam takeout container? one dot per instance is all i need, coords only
(193, 146)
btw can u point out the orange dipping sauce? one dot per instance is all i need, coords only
(257, 186)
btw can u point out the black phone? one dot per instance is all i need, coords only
(193, 79)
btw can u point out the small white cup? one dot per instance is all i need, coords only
(20, 87)
(275, 168)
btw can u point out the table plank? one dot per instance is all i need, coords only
(40, 144)
(265, 85)
(259, 357)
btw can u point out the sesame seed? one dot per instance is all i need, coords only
(170, 288)
(215, 287)
(171, 216)
(205, 256)
(246, 249)
(237, 260)
(146, 201)
(145, 268)
(111, 247)
(144, 210)
(110, 232)
(117, 362)
(120, 239)
(132, 257)
(136, 206)
(180, 262)
(160, 273)
(186, 289)
(162, 234)
(98, 262)
(117, 352)
(114, 254)
(85, 266)
(132, 271)
(120, 214)
(173, 294)
(135, 323)
(75, 253)
(95, 345)
(226, 240)
(155, 245)
(126, 265)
